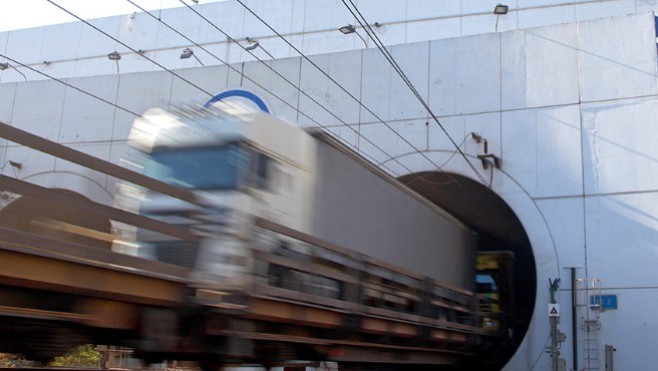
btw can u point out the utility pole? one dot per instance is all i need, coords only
(554, 315)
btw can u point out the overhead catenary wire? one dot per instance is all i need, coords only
(373, 36)
(324, 127)
(70, 85)
(377, 117)
(129, 47)
(191, 83)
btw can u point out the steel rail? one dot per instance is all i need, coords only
(55, 149)
(28, 189)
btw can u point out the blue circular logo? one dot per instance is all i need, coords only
(227, 95)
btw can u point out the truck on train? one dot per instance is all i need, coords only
(302, 244)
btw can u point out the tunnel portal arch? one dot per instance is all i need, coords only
(499, 229)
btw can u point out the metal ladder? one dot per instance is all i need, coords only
(592, 326)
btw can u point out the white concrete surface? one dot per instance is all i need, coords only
(570, 107)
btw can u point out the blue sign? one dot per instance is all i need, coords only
(239, 93)
(605, 302)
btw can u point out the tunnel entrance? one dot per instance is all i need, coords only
(499, 230)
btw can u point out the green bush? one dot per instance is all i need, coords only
(82, 356)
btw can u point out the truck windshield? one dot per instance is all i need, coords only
(220, 167)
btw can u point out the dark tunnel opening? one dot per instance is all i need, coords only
(499, 230)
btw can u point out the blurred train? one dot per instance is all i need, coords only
(286, 215)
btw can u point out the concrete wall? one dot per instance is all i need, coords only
(570, 108)
(76, 49)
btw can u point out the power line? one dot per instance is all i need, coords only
(340, 86)
(273, 70)
(128, 47)
(189, 82)
(71, 86)
(366, 26)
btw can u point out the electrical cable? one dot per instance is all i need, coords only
(324, 127)
(128, 47)
(184, 79)
(72, 86)
(379, 119)
(366, 26)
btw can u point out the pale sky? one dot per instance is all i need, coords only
(15, 14)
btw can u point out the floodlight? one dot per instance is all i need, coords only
(114, 56)
(501, 9)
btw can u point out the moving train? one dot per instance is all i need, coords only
(292, 217)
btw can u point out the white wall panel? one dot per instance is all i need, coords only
(465, 75)
(600, 9)
(7, 96)
(620, 154)
(138, 93)
(540, 67)
(616, 330)
(566, 219)
(373, 11)
(96, 66)
(482, 6)
(40, 108)
(479, 24)
(413, 60)
(287, 94)
(433, 29)
(212, 79)
(388, 34)
(25, 45)
(375, 85)
(93, 43)
(542, 150)
(443, 76)
(276, 13)
(133, 62)
(60, 70)
(85, 118)
(384, 91)
(642, 6)
(61, 42)
(617, 57)
(423, 9)
(326, 15)
(535, 17)
(345, 69)
(181, 20)
(622, 243)
(226, 15)
(547, 3)
(332, 40)
(138, 31)
(402, 138)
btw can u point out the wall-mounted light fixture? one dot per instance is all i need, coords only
(6, 65)
(16, 164)
(487, 159)
(347, 29)
(500, 9)
(252, 44)
(186, 53)
(114, 56)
